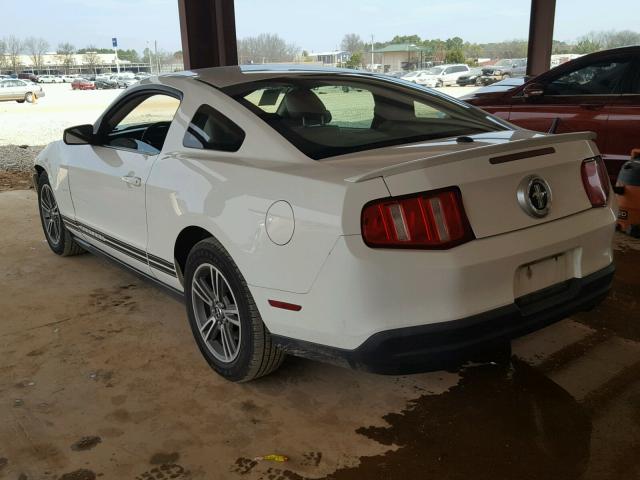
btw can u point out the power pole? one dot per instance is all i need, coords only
(372, 52)
(157, 58)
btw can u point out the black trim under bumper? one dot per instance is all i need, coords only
(449, 344)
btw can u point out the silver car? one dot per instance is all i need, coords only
(19, 90)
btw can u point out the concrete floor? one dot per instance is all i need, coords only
(100, 377)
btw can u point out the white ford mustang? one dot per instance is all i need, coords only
(347, 217)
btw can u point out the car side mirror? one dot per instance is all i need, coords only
(533, 90)
(79, 135)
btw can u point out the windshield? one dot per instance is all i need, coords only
(434, 71)
(330, 115)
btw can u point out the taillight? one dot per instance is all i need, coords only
(429, 220)
(596, 181)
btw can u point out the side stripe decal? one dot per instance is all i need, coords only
(153, 261)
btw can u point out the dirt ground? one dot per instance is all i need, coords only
(100, 377)
(15, 181)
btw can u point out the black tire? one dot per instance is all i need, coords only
(64, 243)
(440, 84)
(29, 97)
(20, 101)
(257, 355)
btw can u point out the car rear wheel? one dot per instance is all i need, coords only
(224, 318)
(440, 83)
(20, 101)
(58, 237)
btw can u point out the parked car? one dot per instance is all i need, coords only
(107, 84)
(403, 239)
(599, 92)
(123, 81)
(49, 79)
(409, 76)
(471, 78)
(501, 86)
(28, 76)
(69, 78)
(19, 90)
(441, 75)
(503, 69)
(82, 84)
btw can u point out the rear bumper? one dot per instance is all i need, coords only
(449, 344)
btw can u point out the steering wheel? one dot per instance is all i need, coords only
(155, 134)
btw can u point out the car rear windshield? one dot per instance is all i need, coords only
(325, 116)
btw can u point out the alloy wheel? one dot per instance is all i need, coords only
(50, 215)
(216, 312)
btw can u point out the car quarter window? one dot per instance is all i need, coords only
(210, 130)
(605, 77)
(141, 123)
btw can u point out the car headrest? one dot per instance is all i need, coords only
(304, 106)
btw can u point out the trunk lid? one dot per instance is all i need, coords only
(489, 171)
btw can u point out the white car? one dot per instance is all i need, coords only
(49, 79)
(69, 78)
(441, 76)
(19, 90)
(410, 77)
(344, 216)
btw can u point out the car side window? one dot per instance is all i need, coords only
(601, 78)
(210, 130)
(142, 123)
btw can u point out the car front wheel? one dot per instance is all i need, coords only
(58, 237)
(29, 97)
(224, 318)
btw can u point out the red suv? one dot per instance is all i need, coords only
(599, 92)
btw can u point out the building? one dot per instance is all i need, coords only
(332, 58)
(401, 56)
(79, 63)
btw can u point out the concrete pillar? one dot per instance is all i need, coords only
(208, 30)
(541, 22)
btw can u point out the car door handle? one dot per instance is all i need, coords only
(592, 106)
(135, 181)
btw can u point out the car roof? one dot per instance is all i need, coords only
(221, 77)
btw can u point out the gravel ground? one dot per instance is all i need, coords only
(16, 163)
(43, 122)
(18, 158)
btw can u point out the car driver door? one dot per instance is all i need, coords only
(108, 178)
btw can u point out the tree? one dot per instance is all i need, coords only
(91, 59)
(130, 55)
(265, 48)
(36, 47)
(586, 45)
(14, 49)
(65, 54)
(355, 61)
(3, 53)
(352, 43)
(412, 39)
(455, 55)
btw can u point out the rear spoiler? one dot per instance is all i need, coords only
(508, 147)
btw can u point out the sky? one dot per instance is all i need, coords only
(313, 25)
